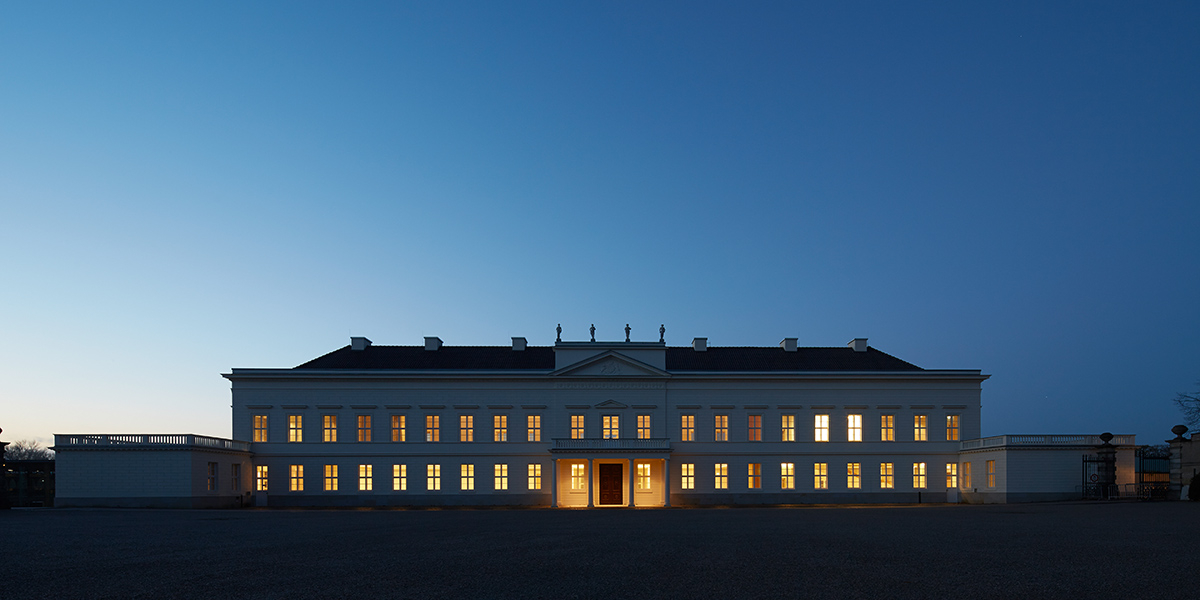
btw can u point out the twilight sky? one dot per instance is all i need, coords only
(190, 187)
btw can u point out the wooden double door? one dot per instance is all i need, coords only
(612, 477)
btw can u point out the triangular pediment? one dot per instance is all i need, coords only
(611, 404)
(610, 364)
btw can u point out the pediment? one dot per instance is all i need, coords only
(610, 364)
(611, 404)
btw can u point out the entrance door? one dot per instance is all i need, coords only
(610, 483)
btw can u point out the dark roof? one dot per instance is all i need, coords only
(542, 358)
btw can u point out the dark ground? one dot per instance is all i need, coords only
(1071, 550)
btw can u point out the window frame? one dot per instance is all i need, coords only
(887, 428)
(260, 431)
(754, 428)
(687, 428)
(329, 429)
(500, 428)
(821, 428)
(364, 428)
(854, 428)
(721, 428)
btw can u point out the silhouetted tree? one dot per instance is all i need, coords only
(27, 450)
(1190, 405)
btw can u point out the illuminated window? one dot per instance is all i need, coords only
(688, 473)
(579, 477)
(212, 477)
(643, 477)
(577, 427)
(260, 428)
(787, 476)
(466, 477)
(755, 433)
(966, 473)
(399, 478)
(500, 473)
(919, 432)
(236, 477)
(432, 429)
(821, 476)
(688, 431)
(721, 432)
(821, 428)
(535, 476)
(755, 476)
(331, 478)
(887, 428)
(951, 428)
(610, 426)
(295, 428)
(533, 425)
(951, 475)
(500, 428)
(789, 428)
(991, 473)
(297, 478)
(853, 476)
(918, 476)
(364, 428)
(887, 479)
(433, 477)
(365, 481)
(329, 428)
(260, 478)
(643, 427)
(398, 428)
(722, 476)
(854, 428)
(466, 428)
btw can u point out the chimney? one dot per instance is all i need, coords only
(433, 343)
(859, 344)
(519, 344)
(359, 343)
(700, 344)
(788, 344)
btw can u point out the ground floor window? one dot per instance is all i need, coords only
(399, 478)
(297, 478)
(787, 476)
(433, 477)
(466, 477)
(854, 475)
(688, 481)
(578, 477)
(918, 476)
(535, 476)
(212, 477)
(500, 472)
(966, 475)
(331, 478)
(991, 473)
(821, 476)
(236, 474)
(951, 475)
(365, 480)
(643, 477)
(754, 472)
(722, 476)
(887, 479)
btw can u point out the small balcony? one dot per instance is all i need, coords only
(617, 445)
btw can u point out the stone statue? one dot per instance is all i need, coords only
(593, 330)
(662, 333)
(558, 330)
(627, 332)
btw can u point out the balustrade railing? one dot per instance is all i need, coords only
(87, 440)
(1044, 440)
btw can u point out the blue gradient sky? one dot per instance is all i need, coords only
(189, 188)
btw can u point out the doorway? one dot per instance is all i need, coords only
(611, 477)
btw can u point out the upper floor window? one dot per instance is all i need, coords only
(466, 428)
(755, 428)
(887, 428)
(854, 428)
(643, 427)
(577, 427)
(789, 428)
(821, 428)
(533, 427)
(397, 428)
(260, 428)
(919, 430)
(295, 428)
(611, 425)
(329, 428)
(721, 433)
(433, 431)
(687, 432)
(500, 428)
(951, 428)
(364, 428)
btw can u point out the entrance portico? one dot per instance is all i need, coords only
(609, 473)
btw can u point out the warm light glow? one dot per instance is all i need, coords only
(643, 427)
(951, 475)
(466, 428)
(853, 476)
(991, 473)
(500, 428)
(755, 428)
(331, 478)
(260, 478)
(854, 428)
(535, 476)
(260, 428)
(364, 428)
(467, 477)
(295, 428)
(432, 429)
(887, 428)
(643, 477)
(887, 479)
(500, 474)
(966, 475)
(399, 478)
(212, 477)
(578, 477)
(433, 477)
(787, 476)
(688, 474)
(721, 433)
(610, 427)
(821, 428)
(918, 476)
(533, 425)
(722, 476)
(688, 429)
(789, 428)
(821, 476)
(951, 428)
(297, 478)
(365, 480)
(919, 434)
(755, 476)
(398, 428)
(577, 427)
(329, 428)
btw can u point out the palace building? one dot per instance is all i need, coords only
(576, 424)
